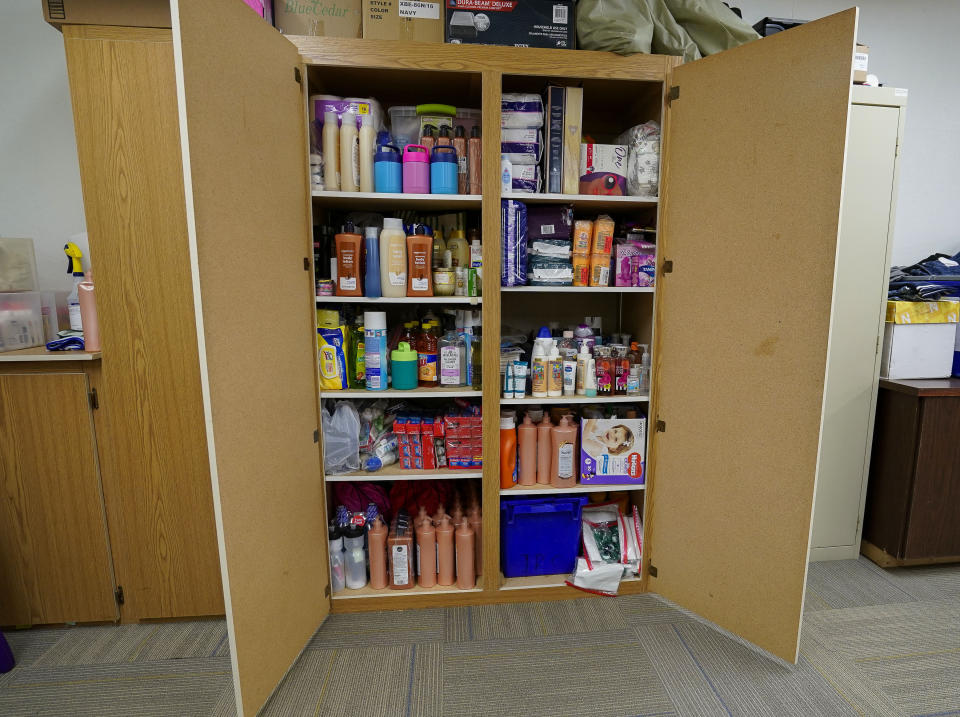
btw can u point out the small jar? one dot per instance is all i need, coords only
(444, 282)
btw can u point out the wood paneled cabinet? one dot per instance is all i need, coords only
(55, 561)
(747, 222)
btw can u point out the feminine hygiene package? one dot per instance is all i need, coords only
(521, 110)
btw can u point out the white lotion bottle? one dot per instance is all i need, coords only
(331, 152)
(368, 141)
(349, 150)
(506, 176)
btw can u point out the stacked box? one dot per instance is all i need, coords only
(464, 441)
(419, 443)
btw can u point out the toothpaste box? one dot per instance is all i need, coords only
(613, 451)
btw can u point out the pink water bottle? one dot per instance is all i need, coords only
(416, 169)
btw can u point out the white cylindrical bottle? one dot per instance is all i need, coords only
(349, 153)
(368, 143)
(393, 259)
(506, 176)
(331, 152)
(375, 349)
(554, 372)
(583, 358)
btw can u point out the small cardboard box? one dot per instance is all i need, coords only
(329, 18)
(860, 58)
(613, 451)
(410, 20)
(143, 13)
(518, 23)
(919, 339)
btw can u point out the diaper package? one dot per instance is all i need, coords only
(521, 146)
(520, 110)
(613, 450)
(526, 178)
(643, 158)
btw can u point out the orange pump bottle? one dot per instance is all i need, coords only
(421, 517)
(377, 544)
(466, 572)
(563, 458)
(527, 440)
(426, 553)
(543, 450)
(508, 453)
(476, 522)
(438, 516)
(349, 246)
(445, 555)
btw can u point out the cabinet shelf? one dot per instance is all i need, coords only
(550, 490)
(580, 289)
(395, 472)
(529, 400)
(400, 300)
(585, 201)
(453, 392)
(378, 201)
(367, 592)
(546, 581)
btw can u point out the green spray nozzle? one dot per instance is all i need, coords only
(74, 265)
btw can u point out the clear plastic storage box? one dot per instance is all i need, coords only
(21, 321)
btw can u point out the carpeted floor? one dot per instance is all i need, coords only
(874, 642)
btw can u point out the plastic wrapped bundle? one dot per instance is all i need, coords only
(521, 146)
(513, 227)
(643, 158)
(526, 178)
(561, 249)
(550, 272)
(520, 110)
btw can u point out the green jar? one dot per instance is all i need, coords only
(403, 362)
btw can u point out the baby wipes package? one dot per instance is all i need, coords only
(333, 360)
(613, 451)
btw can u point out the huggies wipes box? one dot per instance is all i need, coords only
(613, 451)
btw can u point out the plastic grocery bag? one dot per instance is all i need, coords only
(341, 438)
(643, 158)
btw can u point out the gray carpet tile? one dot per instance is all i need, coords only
(30, 645)
(98, 645)
(377, 629)
(849, 583)
(176, 640)
(226, 705)
(918, 684)
(929, 582)
(533, 619)
(649, 610)
(155, 689)
(603, 674)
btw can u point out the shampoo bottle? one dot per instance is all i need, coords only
(371, 274)
(543, 450)
(466, 570)
(349, 153)
(563, 455)
(445, 554)
(377, 546)
(367, 146)
(539, 370)
(426, 553)
(393, 259)
(348, 245)
(583, 358)
(331, 152)
(555, 372)
(527, 440)
(419, 282)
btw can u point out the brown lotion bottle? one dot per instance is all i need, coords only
(527, 440)
(427, 553)
(476, 522)
(419, 280)
(466, 575)
(474, 154)
(543, 450)
(438, 516)
(377, 544)
(563, 458)
(348, 245)
(400, 545)
(460, 144)
(445, 556)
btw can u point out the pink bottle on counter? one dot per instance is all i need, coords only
(416, 169)
(543, 450)
(527, 442)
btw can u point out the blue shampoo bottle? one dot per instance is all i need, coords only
(371, 277)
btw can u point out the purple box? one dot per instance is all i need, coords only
(549, 221)
(613, 451)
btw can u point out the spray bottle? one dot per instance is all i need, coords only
(74, 268)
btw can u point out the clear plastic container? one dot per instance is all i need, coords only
(354, 557)
(21, 321)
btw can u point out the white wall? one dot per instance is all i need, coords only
(912, 45)
(39, 178)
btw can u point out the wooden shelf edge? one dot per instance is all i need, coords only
(550, 490)
(442, 474)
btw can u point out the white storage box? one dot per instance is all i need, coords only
(918, 339)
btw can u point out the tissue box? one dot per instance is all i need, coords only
(919, 339)
(603, 169)
(613, 451)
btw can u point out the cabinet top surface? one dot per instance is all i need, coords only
(39, 353)
(923, 387)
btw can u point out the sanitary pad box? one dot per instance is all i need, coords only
(613, 451)
(919, 339)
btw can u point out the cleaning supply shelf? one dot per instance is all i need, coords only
(529, 400)
(395, 472)
(581, 289)
(585, 201)
(452, 392)
(378, 201)
(400, 300)
(550, 490)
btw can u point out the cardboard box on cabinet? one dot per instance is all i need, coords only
(860, 61)
(518, 23)
(327, 18)
(143, 13)
(409, 20)
(919, 339)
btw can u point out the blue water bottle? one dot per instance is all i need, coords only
(371, 279)
(387, 172)
(443, 169)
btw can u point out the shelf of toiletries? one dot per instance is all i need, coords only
(400, 300)
(550, 490)
(581, 289)
(395, 472)
(587, 202)
(367, 591)
(440, 392)
(378, 201)
(564, 400)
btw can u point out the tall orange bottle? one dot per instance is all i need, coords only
(445, 555)
(421, 517)
(476, 522)
(457, 517)
(466, 571)
(377, 545)
(543, 450)
(426, 553)
(438, 516)
(527, 441)
(563, 455)
(508, 453)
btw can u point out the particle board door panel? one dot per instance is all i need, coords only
(754, 171)
(55, 563)
(243, 128)
(152, 447)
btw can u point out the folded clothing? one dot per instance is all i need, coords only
(521, 146)
(526, 178)
(549, 248)
(519, 110)
(550, 221)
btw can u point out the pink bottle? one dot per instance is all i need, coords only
(527, 440)
(564, 466)
(416, 169)
(543, 449)
(88, 313)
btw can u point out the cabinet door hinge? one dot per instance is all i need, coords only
(306, 263)
(297, 76)
(652, 569)
(326, 591)
(118, 594)
(668, 267)
(673, 94)
(316, 436)
(661, 426)
(92, 398)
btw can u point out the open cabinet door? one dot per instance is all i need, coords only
(243, 129)
(754, 171)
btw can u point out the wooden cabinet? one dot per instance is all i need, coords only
(913, 500)
(55, 561)
(748, 193)
(152, 443)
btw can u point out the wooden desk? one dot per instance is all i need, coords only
(913, 498)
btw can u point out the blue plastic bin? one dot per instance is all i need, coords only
(539, 536)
